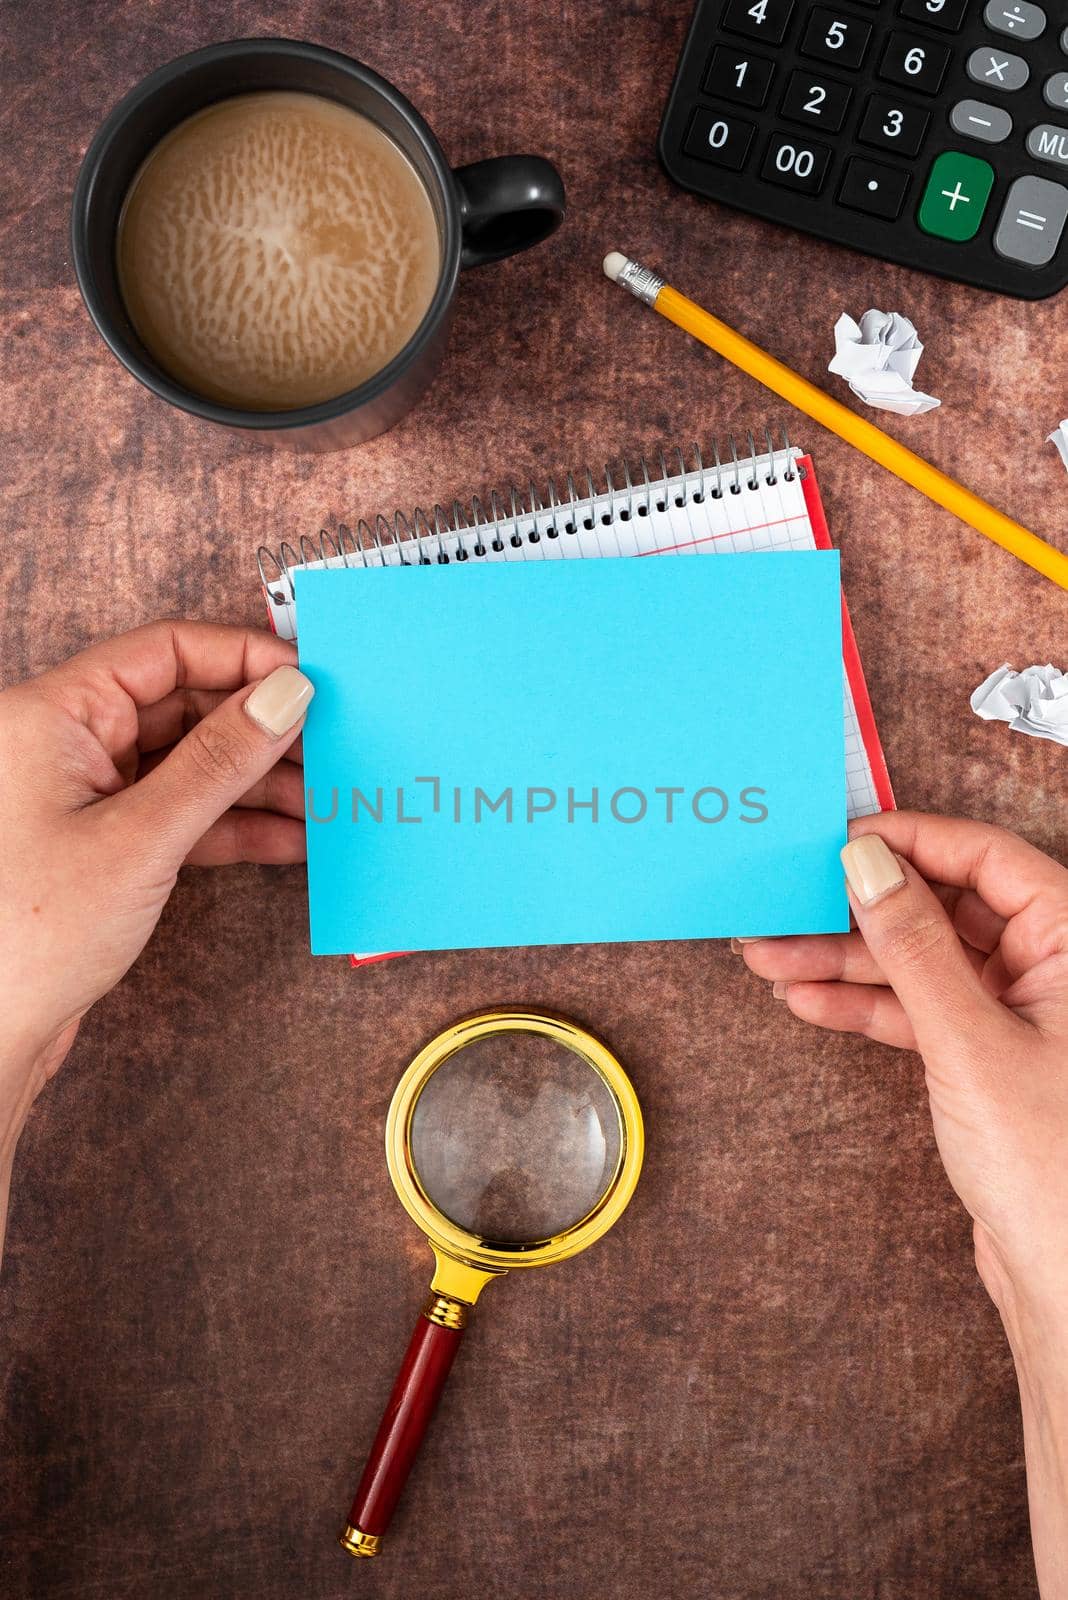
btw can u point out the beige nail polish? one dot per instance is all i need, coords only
(278, 703)
(871, 868)
(778, 990)
(736, 946)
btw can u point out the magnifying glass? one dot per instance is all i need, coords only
(513, 1140)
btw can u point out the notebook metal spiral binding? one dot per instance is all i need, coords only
(518, 518)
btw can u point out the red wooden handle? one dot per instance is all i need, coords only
(407, 1417)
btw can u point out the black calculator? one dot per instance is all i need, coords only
(933, 133)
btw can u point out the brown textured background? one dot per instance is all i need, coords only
(779, 1377)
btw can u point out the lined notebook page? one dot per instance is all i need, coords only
(760, 506)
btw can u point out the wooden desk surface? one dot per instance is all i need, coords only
(780, 1376)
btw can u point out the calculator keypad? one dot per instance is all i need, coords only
(931, 132)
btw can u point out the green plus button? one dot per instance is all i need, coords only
(956, 195)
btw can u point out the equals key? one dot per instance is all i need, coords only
(1030, 227)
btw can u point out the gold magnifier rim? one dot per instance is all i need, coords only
(457, 1242)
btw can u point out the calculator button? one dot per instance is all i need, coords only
(739, 75)
(833, 36)
(997, 69)
(871, 187)
(1016, 17)
(945, 14)
(956, 195)
(722, 140)
(796, 164)
(977, 120)
(1030, 226)
(819, 101)
(759, 19)
(1056, 91)
(890, 125)
(1064, 41)
(1048, 143)
(914, 63)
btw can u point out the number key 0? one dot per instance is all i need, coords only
(831, 36)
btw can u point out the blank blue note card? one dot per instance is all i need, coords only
(558, 752)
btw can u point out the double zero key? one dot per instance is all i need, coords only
(796, 164)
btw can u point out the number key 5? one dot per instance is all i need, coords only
(832, 36)
(759, 19)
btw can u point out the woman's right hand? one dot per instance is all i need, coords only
(961, 953)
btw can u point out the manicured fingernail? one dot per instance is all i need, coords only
(736, 946)
(871, 868)
(778, 990)
(278, 703)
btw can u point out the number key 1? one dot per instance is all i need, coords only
(739, 75)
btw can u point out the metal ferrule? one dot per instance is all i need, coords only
(642, 282)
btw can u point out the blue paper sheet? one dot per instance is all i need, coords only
(561, 752)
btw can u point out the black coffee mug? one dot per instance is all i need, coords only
(484, 212)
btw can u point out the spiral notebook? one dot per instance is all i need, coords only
(682, 504)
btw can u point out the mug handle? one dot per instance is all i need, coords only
(507, 203)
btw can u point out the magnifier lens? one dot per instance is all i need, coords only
(515, 1138)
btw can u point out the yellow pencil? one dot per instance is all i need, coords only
(823, 408)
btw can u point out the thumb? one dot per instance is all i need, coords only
(219, 760)
(905, 927)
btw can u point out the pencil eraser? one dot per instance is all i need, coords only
(613, 264)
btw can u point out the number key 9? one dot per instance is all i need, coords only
(945, 14)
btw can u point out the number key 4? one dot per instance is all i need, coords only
(759, 19)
